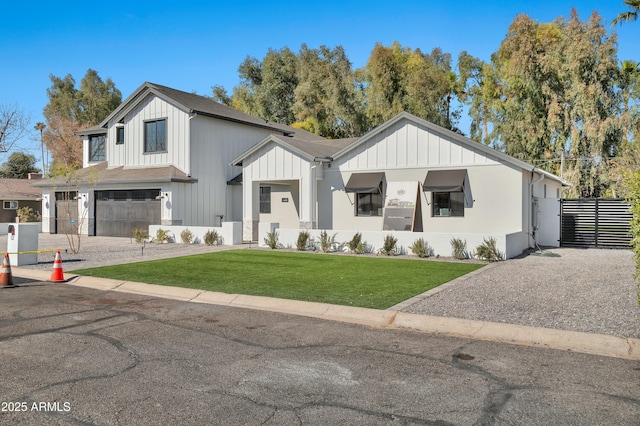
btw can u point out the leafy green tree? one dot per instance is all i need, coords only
(630, 15)
(326, 99)
(267, 87)
(557, 97)
(401, 79)
(18, 166)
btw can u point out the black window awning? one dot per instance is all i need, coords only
(444, 180)
(367, 183)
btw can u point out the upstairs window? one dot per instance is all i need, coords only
(155, 136)
(96, 148)
(119, 135)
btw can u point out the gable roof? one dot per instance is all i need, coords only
(198, 105)
(464, 141)
(322, 149)
(19, 189)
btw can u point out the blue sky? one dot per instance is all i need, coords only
(193, 45)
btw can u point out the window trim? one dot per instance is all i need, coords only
(265, 204)
(10, 205)
(166, 132)
(91, 153)
(434, 205)
(370, 195)
(119, 140)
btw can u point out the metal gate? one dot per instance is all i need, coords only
(595, 222)
(118, 213)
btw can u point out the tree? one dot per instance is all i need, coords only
(14, 125)
(556, 96)
(18, 166)
(70, 109)
(267, 87)
(401, 79)
(628, 16)
(40, 127)
(326, 99)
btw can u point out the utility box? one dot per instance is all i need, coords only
(23, 237)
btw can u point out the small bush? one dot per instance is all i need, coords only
(459, 248)
(272, 240)
(186, 236)
(356, 245)
(26, 214)
(420, 248)
(327, 243)
(140, 235)
(162, 236)
(389, 246)
(303, 241)
(488, 250)
(211, 237)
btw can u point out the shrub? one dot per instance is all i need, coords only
(459, 248)
(632, 182)
(420, 248)
(186, 236)
(303, 241)
(211, 237)
(26, 214)
(488, 250)
(389, 245)
(140, 235)
(162, 236)
(272, 240)
(356, 245)
(327, 243)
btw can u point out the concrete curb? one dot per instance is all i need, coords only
(594, 344)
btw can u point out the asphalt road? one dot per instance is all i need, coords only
(74, 355)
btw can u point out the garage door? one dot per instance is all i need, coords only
(118, 213)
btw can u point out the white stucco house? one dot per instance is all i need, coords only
(408, 177)
(171, 159)
(161, 158)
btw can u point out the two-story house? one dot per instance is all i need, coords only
(163, 158)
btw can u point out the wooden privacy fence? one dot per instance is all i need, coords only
(595, 222)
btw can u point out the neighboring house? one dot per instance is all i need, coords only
(161, 158)
(408, 176)
(18, 193)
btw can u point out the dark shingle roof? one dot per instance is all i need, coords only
(101, 175)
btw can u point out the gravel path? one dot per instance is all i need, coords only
(581, 290)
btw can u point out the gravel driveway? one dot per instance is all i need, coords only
(580, 290)
(589, 290)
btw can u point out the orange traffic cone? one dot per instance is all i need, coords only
(6, 279)
(56, 273)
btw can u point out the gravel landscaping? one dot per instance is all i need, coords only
(579, 290)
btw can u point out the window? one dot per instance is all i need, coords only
(448, 203)
(10, 205)
(155, 136)
(96, 148)
(265, 199)
(119, 135)
(369, 204)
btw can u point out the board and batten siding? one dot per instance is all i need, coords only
(214, 144)
(407, 145)
(132, 154)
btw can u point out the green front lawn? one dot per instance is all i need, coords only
(371, 282)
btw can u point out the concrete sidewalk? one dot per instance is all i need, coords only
(589, 343)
